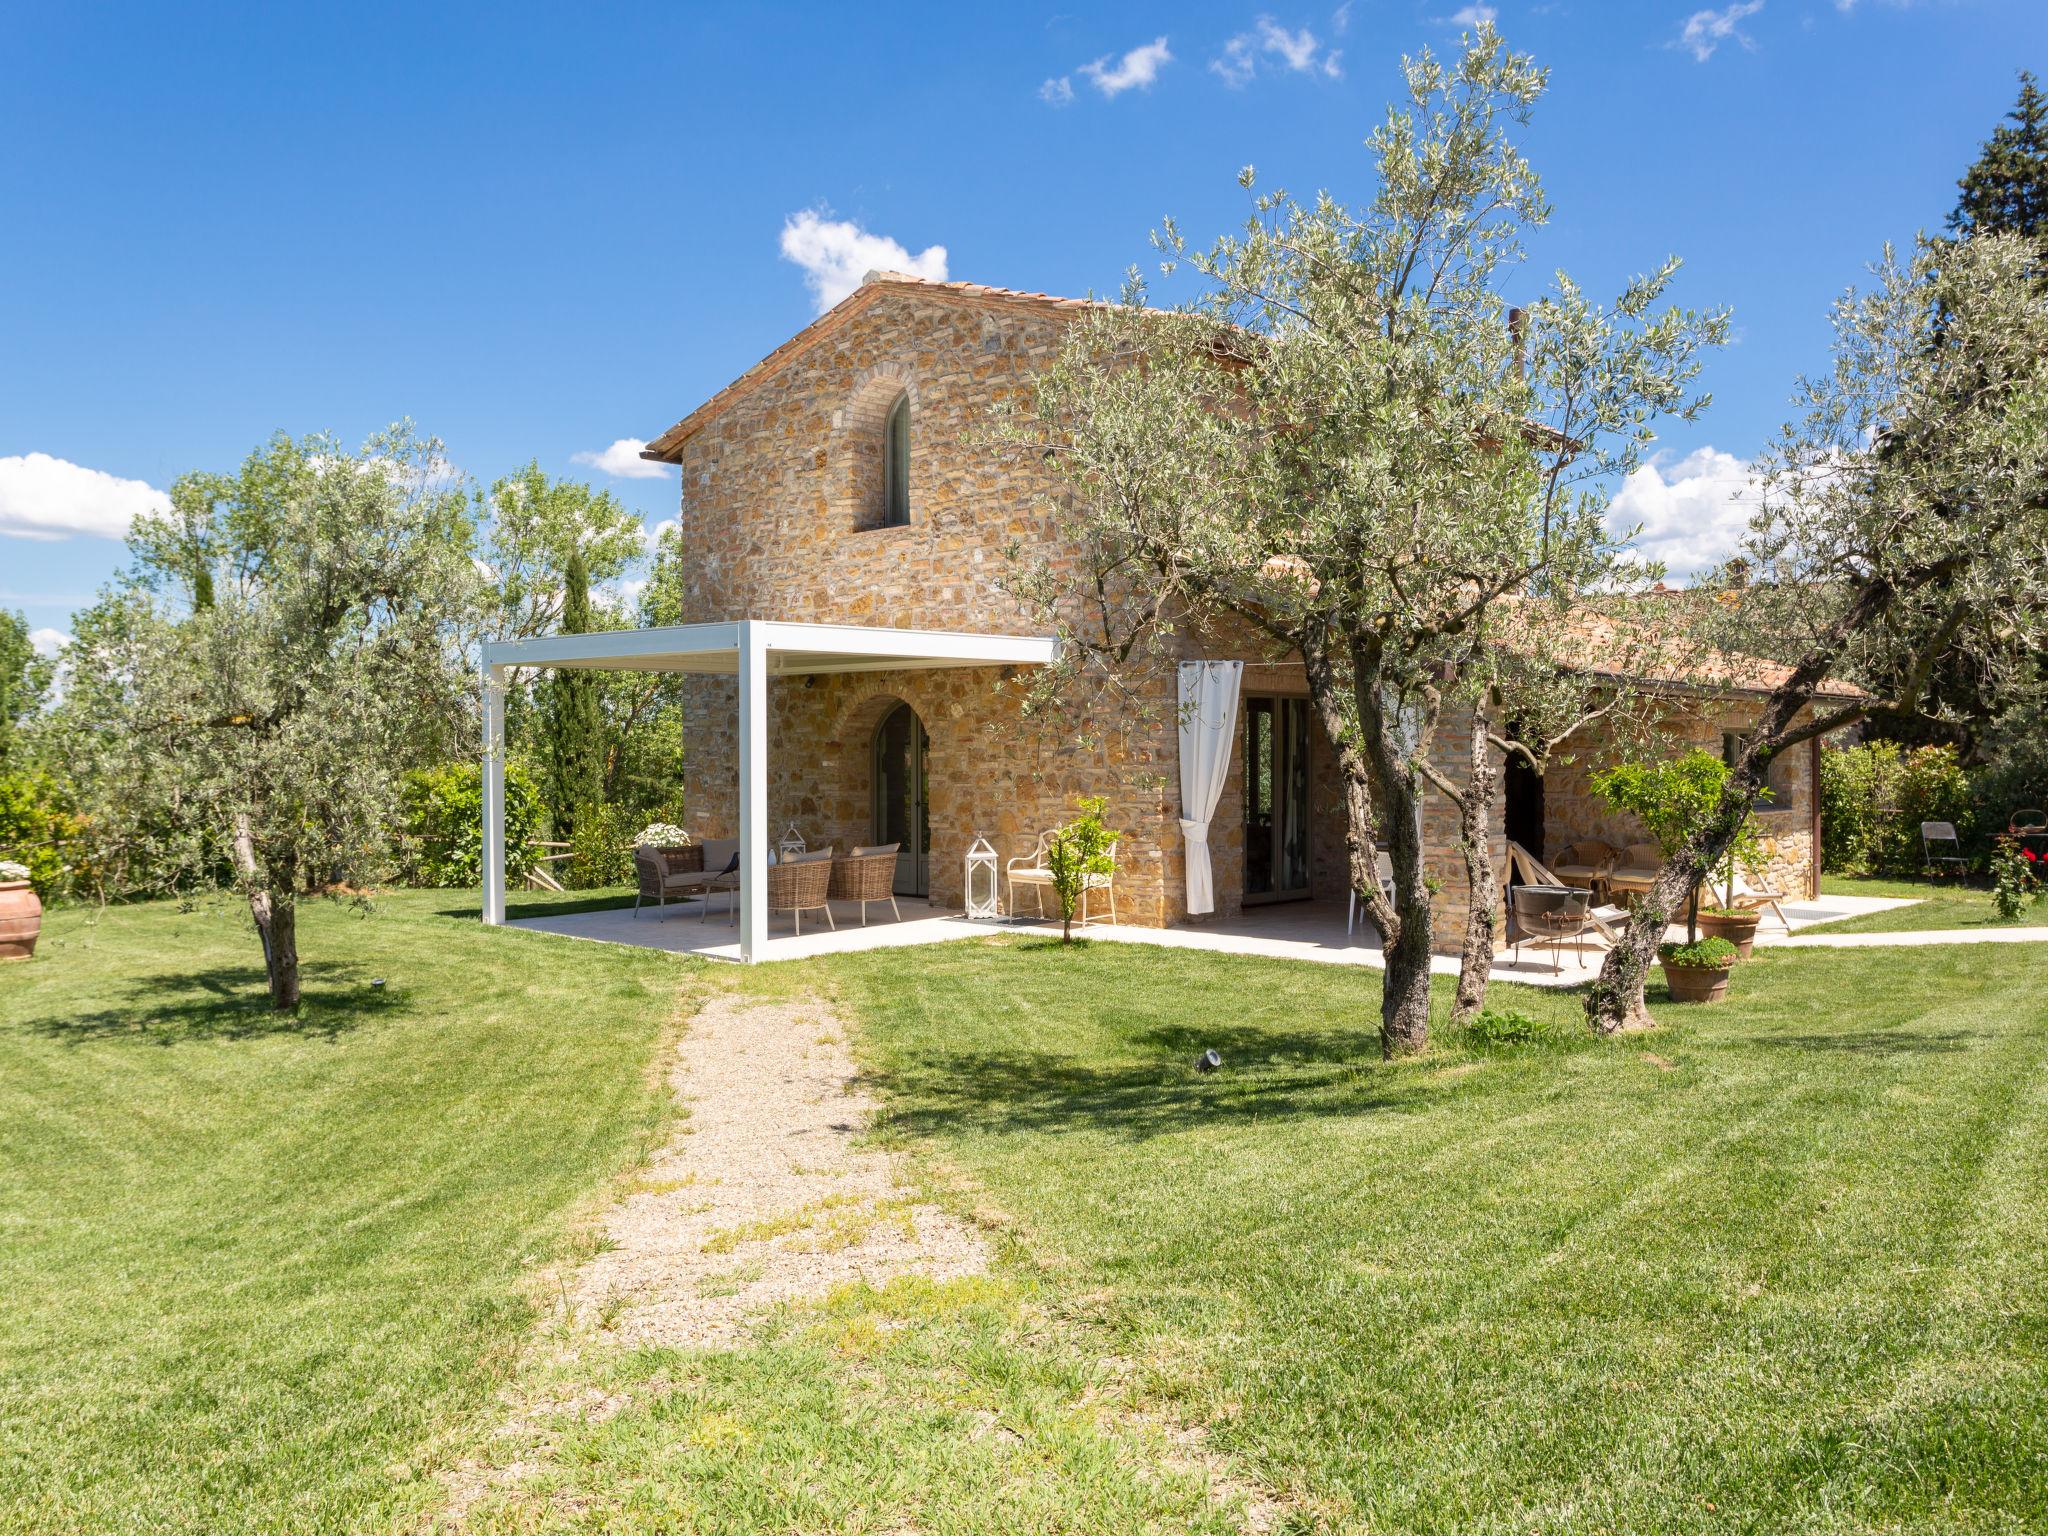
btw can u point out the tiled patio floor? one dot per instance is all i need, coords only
(1292, 931)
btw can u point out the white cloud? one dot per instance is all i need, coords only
(1340, 19)
(1057, 92)
(652, 532)
(1237, 63)
(1297, 48)
(622, 461)
(1704, 31)
(1298, 51)
(1140, 67)
(1474, 16)
(1693, 510)
(48, 642)
(837, 253)
(46, 498)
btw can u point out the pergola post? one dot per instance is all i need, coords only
(494, 793)
(753, 731)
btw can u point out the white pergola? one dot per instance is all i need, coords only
(753, 650)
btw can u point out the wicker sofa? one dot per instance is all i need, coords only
(667, 874)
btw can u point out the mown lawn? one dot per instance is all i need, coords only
(253, 1269)
(1782, 1266)
(1936, 904)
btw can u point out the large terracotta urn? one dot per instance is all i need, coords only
(21, 919)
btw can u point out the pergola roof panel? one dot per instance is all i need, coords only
(791, 649)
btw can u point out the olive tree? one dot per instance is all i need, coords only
(289, 639)
(1902, 522)
(1349, 447)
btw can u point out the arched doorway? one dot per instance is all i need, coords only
(900, 812)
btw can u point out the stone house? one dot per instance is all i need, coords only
(838, 480)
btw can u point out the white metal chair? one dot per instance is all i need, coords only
(1031, 873)
(1383, 871)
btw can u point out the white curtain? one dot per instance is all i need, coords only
(1208, 736)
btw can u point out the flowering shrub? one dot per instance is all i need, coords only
(2016, 877)
(661, 834)
(11, 871)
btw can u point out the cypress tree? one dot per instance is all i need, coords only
(2007, 189)
(576, 720)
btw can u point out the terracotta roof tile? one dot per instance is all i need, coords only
(1603, 645)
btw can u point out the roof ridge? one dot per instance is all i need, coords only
(873, 284)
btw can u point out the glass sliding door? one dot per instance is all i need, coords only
(1276, 789)
(901, 815)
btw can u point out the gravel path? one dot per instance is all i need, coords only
(764, 1195)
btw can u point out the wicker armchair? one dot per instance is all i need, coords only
(1637, 871)
(865, 875)
(666, 873)
(800, 883)
(1585, 864)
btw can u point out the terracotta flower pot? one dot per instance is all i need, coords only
(1738, 928)
(21, 920)
(1696, 983)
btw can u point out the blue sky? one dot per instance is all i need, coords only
(539, 231)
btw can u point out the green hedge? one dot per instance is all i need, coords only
(443, 842)
(1874, 797)
(38, 829)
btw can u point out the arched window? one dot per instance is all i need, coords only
(896, 465)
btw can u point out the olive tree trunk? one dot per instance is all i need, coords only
(276, 916)
(1404, 1004)
(1475, 839)
(1375, 800)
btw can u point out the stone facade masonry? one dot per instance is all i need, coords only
(781, 497)
(1572, 812)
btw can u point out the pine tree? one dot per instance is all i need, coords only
(575, 724)
(2007, 189)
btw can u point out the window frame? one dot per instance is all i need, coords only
(896, 463)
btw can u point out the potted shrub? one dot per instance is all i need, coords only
(1735, 924)
(1674, 799)
(21, 914)
(1698, 972)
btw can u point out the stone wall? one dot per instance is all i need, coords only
(780, 494)
(989, 774)
(1572, 812)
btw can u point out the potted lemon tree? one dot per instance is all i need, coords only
(1673, 799)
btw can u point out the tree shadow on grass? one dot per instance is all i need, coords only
(226, 1003)
(599, 901)
(1267, 1075)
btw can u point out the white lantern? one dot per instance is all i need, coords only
(792, 842)
(981, 880)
